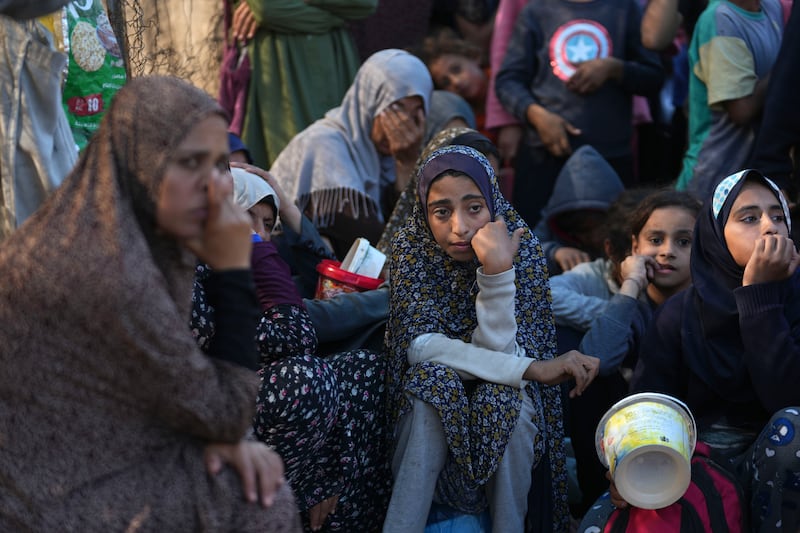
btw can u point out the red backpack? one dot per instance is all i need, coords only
(713, 503)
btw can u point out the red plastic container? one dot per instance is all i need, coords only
(333, 280)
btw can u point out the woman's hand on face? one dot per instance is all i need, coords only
(495, 248)
(226, 241)
(266, 176)
(404, 132)
(774, 258)
(319, 513)
(572, 364)
(258, 466)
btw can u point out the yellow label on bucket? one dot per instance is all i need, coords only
(643, 424)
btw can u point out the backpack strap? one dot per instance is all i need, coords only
(716, 509)
(690, 520)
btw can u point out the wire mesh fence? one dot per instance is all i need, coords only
(179, 37)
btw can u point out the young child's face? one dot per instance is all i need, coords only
(755, 212)
(262, 219)
(667, 237)
(182, 203)
(460, 75)
(456, 210)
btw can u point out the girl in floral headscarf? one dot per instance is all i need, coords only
(471, 344)
(730, 345)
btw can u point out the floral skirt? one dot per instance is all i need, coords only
(325, 417)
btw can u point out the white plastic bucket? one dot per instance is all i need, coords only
(646, 440)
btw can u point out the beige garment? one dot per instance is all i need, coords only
(178, 37)
(107, 401)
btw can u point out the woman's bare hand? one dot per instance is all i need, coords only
(258, 466)
(638, 269)
(404, 132)
(289, 212)
(553, 130)
(226, 241)
(244, 24)
(590, 75)
(568, 257)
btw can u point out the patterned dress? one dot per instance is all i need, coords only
(325, 417)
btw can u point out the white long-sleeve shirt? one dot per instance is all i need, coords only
(493, 355)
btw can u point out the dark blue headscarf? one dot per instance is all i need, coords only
(469, 161)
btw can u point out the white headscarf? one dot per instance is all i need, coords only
(249, 189)
(334, 161)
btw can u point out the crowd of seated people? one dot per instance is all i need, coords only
(169, 362)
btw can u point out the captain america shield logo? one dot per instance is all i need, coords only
(575, 42)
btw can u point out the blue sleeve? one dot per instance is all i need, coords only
(578, 297)
(513, 81)
(613, 334)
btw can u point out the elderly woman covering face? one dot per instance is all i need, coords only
(347, 169)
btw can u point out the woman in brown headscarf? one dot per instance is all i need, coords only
(112, 418)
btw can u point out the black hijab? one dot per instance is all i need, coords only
(710, 326)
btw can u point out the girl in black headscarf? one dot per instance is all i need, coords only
(730, 345)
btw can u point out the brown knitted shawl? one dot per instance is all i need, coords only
(99, 374)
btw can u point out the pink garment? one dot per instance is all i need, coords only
(786, 5)
(507, 11)
(641, 110)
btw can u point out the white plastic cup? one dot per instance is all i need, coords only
(647, 440)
